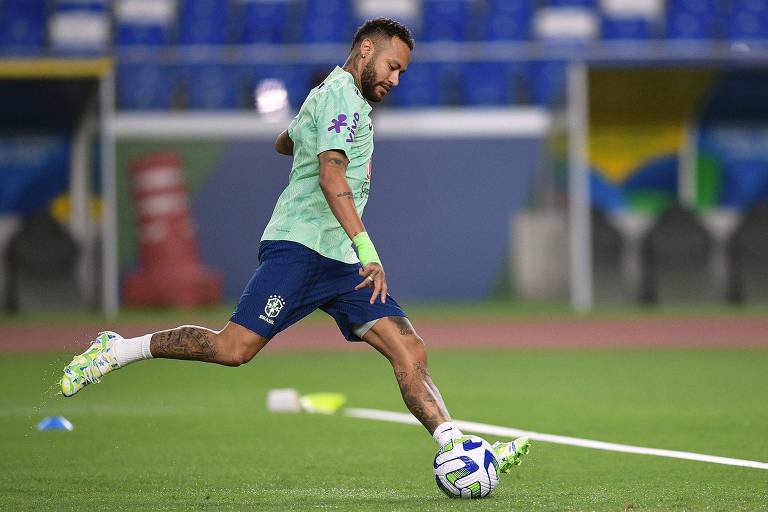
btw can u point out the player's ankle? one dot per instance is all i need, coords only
(446, 431)
(132, 349)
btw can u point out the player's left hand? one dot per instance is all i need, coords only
(376, 280)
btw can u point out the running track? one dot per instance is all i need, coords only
(719, 331)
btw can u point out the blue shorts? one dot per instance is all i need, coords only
(292, 281)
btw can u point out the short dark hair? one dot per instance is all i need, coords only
(383, 27)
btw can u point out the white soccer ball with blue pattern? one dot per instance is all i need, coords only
(466, 468)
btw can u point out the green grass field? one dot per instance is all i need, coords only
(170, 435)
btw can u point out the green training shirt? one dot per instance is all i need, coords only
(334, 116)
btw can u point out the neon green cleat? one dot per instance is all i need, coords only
(511, 453)
(91, 365)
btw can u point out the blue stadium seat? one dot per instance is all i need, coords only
(626, 28)
(212, 87)
(326, 30)
(145, 87)
(261, 21)
(23, 23)
(508, 26)
(748, 20)
(203, 21)
(572, 3)
(492, 83)
(329, 8)
(496, 7)
(445, 20)
(547, 81)
(203, 8)
(509, 20)
(202, 31)
(327, 21)
(98, 6)
(134, 34)
(421, 87)
(688, 25)
(691, 19)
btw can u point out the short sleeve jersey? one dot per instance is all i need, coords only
(333, 117)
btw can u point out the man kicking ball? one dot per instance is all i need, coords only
(306, 255)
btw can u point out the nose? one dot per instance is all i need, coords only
(394, 78)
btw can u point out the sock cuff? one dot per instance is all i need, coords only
(447, 431)
(132, 349)
(145, 342)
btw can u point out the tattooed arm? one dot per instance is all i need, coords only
(341, 199)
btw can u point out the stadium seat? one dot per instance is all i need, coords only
(328, 8)
(81, 27)
(626, 28)
(145, 87)
(212, 87)
(327, 21)
(422, 87)
(747, 22)
(141, 23)
(691, 19)
(261, 21)
(151, 35)
(508, 26)
(571, 3)
(203, 21)
(547, 80)
(445, 20)
(23, 23)
(492, 83)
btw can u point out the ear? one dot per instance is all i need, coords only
(366, 48)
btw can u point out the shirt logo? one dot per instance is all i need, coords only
(352, 129)
(336, 124)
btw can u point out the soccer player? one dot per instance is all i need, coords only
(306, 256)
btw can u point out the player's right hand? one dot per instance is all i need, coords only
(376, 280)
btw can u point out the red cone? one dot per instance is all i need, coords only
(170, 272)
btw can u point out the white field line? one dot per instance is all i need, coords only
(484, 428)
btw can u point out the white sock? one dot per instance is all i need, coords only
(445, 432)
(132, 349)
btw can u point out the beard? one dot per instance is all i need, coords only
(368, 82)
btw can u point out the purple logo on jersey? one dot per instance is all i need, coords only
(336, 124)
(352, 129)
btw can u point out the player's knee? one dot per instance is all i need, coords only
(244, 351)
(238, 348)
(412, 349)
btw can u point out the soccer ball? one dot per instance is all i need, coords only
(466, 468)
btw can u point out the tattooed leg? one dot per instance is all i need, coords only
(186, 342)
(232, 346)
(396, 339)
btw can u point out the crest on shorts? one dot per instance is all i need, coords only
(275, 303)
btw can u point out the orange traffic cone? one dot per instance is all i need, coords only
(170, 272)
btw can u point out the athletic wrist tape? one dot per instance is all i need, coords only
(365, 249)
